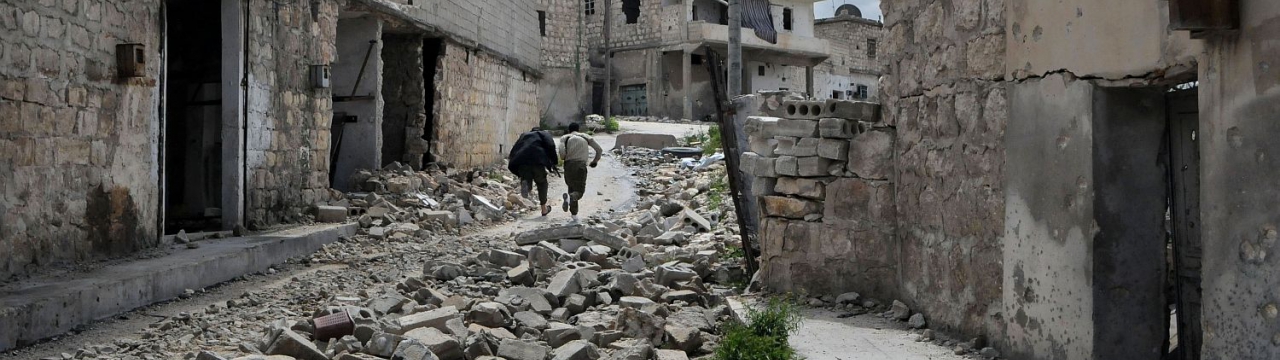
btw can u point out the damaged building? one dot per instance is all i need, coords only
(1075, 179)
(124, 121)
(657, 52)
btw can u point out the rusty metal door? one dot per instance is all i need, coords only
(635, 100)
(1184, 153)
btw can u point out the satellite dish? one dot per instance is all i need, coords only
(848, 9)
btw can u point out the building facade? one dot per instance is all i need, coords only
(126, 120)
(854, 69)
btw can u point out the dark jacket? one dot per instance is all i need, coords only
(533, 148)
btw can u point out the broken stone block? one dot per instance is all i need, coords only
(764, 167)
(634, 264)
(853, 110)
(763, 186)
(761, 126)
(692, 218)
(490, 314)
(558, 333)
(833, 128)
(633, 351)
(541, 258)
(689, 297)
(666, 354)
(900, 311)
(635, 302)
(807, 188)
(871, 155)
(787, 166)
(763, 146)
(504, 258)
(383, 345)
(566, 282)
(813, 166)
(444, 346)
(669, 238)
(601, 236)
(572, 245)
(586, 253)
(848, 298)
(641, 325)
(833, 149)
(430, 296)
(433, 319)
(521, 275)
(805, 147)
(208, 355)
(331, 214)
(521, 350)
(480, 345)
(791, 208)
(549, 234)
(668, 275)
(558, 252)
(576, 304)
(292, 344)
(917, 321)
(444, 217)
(531, 319)
(576, 350)
(625, 284)
(786, 145)
(410, 349)
(683, 338)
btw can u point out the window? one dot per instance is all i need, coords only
(542, 22)
(835, 94)
(760, 71)
(631, 8)
(695, 59)
(589, 7)
(695, 13)
(871, 48)
(862, 93)
(786, 18)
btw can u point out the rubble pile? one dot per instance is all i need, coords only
(397, 202)
(636, 285)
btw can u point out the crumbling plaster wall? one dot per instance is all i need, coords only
(944, 96)
(564, 93)
(1239, 99)
(482, 105)
(362, 141)
(78, 149)
(289, 121)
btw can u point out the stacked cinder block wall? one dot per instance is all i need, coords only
(289, 121)
(822, 175)
(78, 158)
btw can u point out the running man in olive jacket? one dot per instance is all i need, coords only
(576, 149)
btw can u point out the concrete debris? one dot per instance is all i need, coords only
(916, 321)
(899, 311)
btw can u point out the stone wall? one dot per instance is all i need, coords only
(943, 96)
(505, 29)
(850, 64)
(482, 106)
(647, 31)
(78, 150)
(289, 121)
(827, 213)
(565, 94)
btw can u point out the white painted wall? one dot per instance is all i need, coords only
(826, 83)
(361, 141)
(775, 77)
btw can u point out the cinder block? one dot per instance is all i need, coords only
(834, 149)
(805, 147)
(833, 128)
(331, 214)
(747, 163)
(787, 166)
(762, 186)
(797, 128)
(764, 147)
(766, 167)
(761, 126)
(853, 110)
(786, 145)
(812, 166)
(804, 110)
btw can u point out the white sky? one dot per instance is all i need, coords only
(827, 8)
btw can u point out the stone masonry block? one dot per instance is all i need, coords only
(870, 155)
(766, 167)
(764, 147)
(805, 147)
(808, 188)
(791, 208)
(833, 128)
(804, 110)
(787, 166)
(762, 186)
(331, 214)
(834, 149)
(786, 145)
(812, 166)
(761, 127)
(797, 128)
(853, 110)
(747, 163)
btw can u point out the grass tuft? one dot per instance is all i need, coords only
(764, 336)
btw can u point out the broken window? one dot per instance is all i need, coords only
(761, 71)
(631, 8)
(695, 59)
(862, 93)
(589, 7)
(871, 48)
(695, 13)
(786, 18)
(542, 22)
(835, 94)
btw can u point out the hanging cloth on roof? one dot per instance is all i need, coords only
(755, 15)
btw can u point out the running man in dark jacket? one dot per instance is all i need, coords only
(532, 157)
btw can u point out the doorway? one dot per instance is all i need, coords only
(432, 50)
(1185, 247)
(193, 102)
(635, 101)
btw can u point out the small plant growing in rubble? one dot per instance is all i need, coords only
(611, 125)
(712, 142)
(719, 187)
(764, 336)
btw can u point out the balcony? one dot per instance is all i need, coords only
(790, 49)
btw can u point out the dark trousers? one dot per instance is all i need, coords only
(575, 177)
(530, 175)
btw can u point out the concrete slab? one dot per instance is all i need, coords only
(43, 308)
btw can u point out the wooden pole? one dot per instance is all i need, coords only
(608, 60)
(735, 49)
(729, 142)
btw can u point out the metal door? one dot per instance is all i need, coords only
(1184, 153)
(635, 100)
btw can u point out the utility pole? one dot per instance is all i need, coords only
(608, 60)
(735, 49)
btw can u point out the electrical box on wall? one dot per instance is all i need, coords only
(131, 60)
(320, 76)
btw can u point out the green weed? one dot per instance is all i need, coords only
(764, 336)
(611, 125)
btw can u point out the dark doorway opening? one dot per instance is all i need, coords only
(597, 97)
(193, 166)
(1185, 246)
(432, 51)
